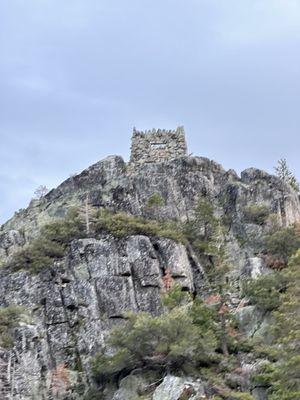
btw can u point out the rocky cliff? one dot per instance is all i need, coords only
(72, 305)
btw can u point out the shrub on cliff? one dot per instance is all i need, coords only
(185, 334)
(36, 256)
(55, 236)
(155, 200)
(282, 243)
(265, 290)
(283, 372)
(256, 213)
(9, 318)
(285, 378)
(64, 230)
(50, 245)
(122, 225)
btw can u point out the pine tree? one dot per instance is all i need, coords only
(218, 279)
(283, 172)
(284, 374)
(206, 235)
(287, 330)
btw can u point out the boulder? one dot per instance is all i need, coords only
(178, 388)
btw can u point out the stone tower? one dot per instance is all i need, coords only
(157, 146)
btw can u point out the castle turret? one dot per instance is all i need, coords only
(157, 145)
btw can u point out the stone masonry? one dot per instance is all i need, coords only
(157, 146)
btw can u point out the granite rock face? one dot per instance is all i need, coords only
(75, 303)
(9, 241)
(176, 388)
(179, 182)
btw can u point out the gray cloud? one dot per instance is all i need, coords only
(75, 76)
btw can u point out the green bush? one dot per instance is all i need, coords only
(285, 379)
(63, 231)
(176, 337)
(155, 200)
(122, 225)
(37, 255)
(285, 371)
(265, 290)
(282, 243)
(203, 227)
(256, 213)
(175, 297)
(280, 374)
(50, 245)
(9, 318)
(54, 237)
(281, 377)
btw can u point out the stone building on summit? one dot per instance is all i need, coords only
(157, 146)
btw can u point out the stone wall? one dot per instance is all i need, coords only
(157, 145)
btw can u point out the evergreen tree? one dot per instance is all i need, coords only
(283, 373)
(206, 235)
(283, 172)
(185, 334)
(286, 375)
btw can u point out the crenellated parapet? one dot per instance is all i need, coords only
(157, 145)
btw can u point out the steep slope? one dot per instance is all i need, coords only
(75, 303)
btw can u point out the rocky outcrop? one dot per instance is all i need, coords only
(176, 388)
(10, 241)
(179, 182)
(73, 305)
(5, 374)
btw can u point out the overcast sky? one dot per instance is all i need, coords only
(77, 75)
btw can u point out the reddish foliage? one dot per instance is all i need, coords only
(242, 304)
(212, 299)
(60, 380)
(168, 280)
(224, 309)
(276, 263)
(233, 332)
